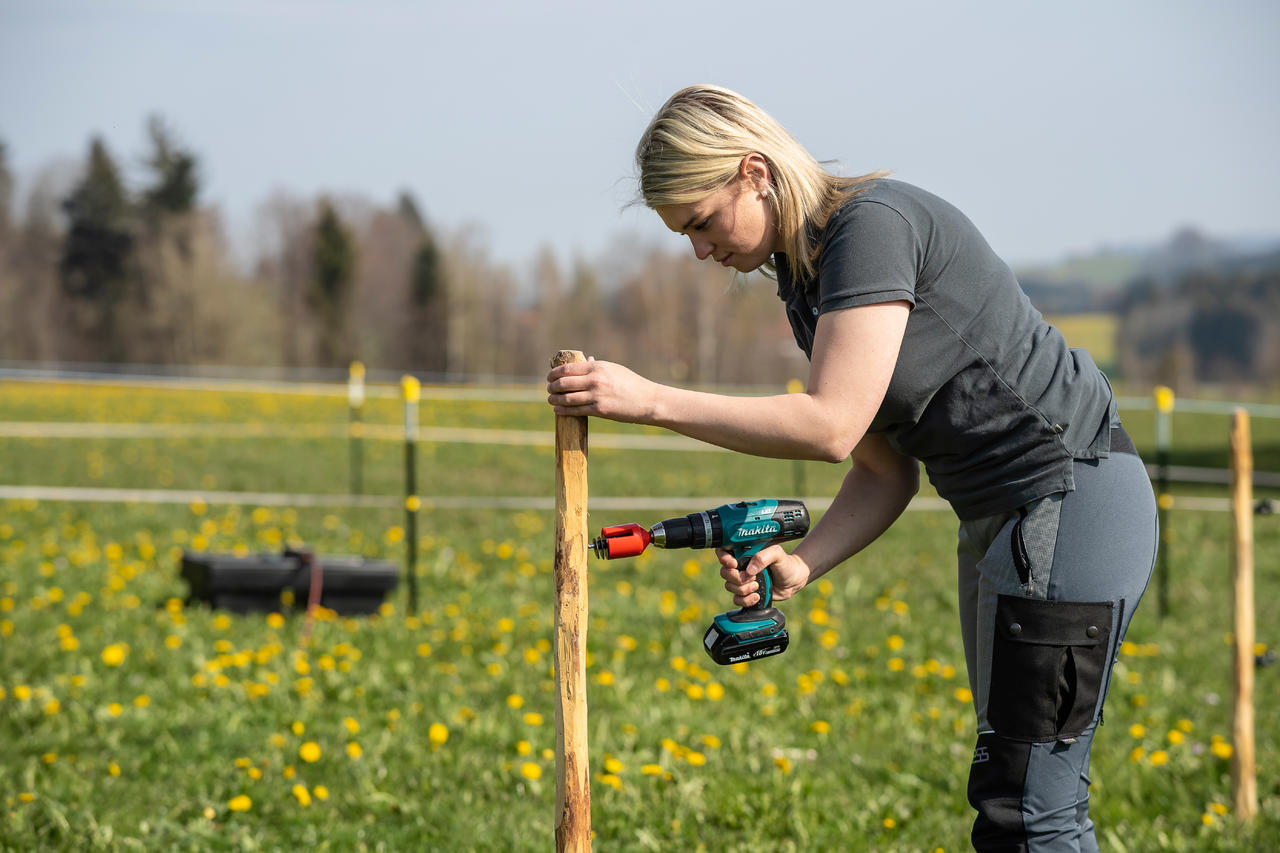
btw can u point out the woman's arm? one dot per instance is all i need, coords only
(854, 353)
(874, 493)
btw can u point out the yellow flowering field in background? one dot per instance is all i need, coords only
(132, 719)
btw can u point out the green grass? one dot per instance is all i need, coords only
(858, 738)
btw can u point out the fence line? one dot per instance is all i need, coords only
(458, 435)
(483, 502)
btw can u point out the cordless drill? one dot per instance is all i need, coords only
(743, 529)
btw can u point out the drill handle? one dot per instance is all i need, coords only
(765, 578)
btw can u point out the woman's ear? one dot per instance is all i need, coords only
(754, 169)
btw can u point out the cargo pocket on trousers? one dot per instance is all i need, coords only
(1047, 664)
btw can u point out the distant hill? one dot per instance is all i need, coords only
(1096, 282)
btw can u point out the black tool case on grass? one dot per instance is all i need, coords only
(348, 585)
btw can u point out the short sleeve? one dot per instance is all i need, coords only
(869, 255)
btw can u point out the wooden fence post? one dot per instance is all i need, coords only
(573, 769)
(1244, 771)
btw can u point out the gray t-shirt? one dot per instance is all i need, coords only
(985, 393)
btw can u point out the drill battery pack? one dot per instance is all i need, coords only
(733, 639)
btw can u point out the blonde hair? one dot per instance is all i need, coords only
(695, 145)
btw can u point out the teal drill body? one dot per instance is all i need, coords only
(743, 529)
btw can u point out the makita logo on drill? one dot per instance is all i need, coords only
(759, 529)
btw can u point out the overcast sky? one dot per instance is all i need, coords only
(1058, 127)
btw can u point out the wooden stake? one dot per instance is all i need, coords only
(573, 791)
(1244, 772)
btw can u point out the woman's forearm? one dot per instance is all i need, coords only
(784, 426)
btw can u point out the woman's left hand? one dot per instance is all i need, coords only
(602, 389)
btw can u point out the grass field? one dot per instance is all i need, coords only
(130, 721)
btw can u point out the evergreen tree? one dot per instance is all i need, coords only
(6, 192)
(427, 317)
(96, 254)
(332, 264)
(176, 180)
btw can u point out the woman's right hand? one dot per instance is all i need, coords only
(790, 574)
(602, 389)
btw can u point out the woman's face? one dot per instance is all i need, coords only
(734, 226)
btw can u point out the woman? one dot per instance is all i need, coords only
(922, 349)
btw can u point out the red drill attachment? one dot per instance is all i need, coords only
(623, 540)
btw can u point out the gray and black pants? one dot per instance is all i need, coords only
(1046, 594)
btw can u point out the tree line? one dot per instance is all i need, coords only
(97, 270)
(108, 272)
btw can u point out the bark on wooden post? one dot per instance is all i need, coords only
(573, 791)
(1244, 771)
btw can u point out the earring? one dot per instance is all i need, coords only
(765, 193)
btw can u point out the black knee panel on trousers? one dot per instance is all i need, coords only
(996, 783)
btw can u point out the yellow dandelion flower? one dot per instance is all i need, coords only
(21, 692)
(529, 770)
(1218, 809)
(302, 794)
(354, 751)
(275, 620)
(1159, 757)
(1222, 749)
(114, 654)
(437, 734)
(26, 797)
(889, 823)
(533, 718)
(309, 752)
(1176, 737)
(288, 772)
(697, 759)
(113, 769)
(782, 763)
(963, 694)
(897, 664)
(894, 642)
(1137, 730)
(254, 773)
(715, 692)
(240, 804)
(612, 765)
(710, 741)
(1186, 726)
(694, 691)
(320, 792)
(651, 769)
(53, 706)
(822, 727)
(1137, 754)
(115, 709)
(662, 684)
(142, 700)
(424, 650)
(297, 727)
(524, 747)
(351, 724)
